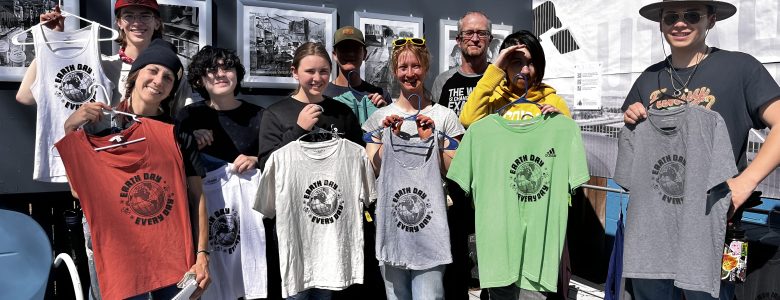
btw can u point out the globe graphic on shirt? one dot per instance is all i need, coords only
(323, 201)
(528, 178)
(75, 86)
(146, 199)
(410, 209)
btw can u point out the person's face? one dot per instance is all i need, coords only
(313, 74)
(521, 63)
(138, 24)
(681, 34)
(474, 46)
(153, 84)
(409, 72)
(350, 55)
(220, 80)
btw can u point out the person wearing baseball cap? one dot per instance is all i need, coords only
(737, 87)
(349, 52)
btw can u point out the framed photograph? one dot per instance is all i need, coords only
(19, 16)
(380, 30)
(449, 51)
(186, 25)
(269, 33)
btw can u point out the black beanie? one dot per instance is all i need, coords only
(161, 53)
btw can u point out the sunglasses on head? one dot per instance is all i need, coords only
(690, 17)
(415, 41)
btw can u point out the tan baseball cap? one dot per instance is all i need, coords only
(348, 33)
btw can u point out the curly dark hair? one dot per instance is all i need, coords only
(208, 58)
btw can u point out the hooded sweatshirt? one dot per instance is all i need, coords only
(492, 93)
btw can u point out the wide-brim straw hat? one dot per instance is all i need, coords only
(723, 10)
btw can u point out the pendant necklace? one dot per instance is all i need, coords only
(684, 86)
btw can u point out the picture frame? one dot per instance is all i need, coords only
(186, 25)
(269, 33)
(380, 30)
(14, 59)
(449, 52)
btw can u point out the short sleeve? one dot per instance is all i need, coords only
(265, 200)
(759, 88)
(625, 158)
(722, 159)
(368, 192)
(578, 161)
(461, 168)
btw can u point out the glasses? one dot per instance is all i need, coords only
(482, 34)
(415, 41)
(140, 18)
(690, 17)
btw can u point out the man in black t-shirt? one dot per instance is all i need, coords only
(734, 84)
(349, 52)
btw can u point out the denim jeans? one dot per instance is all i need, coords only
(165, 293)
(650, 289)
(312, 294)
(402, 284)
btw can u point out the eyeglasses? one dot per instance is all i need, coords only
(482, 34)
(690, 17)
(141, 18)
(415, 41)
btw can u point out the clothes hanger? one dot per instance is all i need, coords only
(452, 144)
(114, 32)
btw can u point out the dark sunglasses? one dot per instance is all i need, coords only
(690, 17)
(415, 41)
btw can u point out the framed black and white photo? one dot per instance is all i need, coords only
(269, 33)
(17, 16)
(449, 51)
(380, 30)
(186, 25)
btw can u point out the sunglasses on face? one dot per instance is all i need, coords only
(415, 41)
(690, 17)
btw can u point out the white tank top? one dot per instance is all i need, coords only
(65, 71)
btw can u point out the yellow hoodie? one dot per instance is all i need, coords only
(492, 93)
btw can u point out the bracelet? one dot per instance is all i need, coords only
(203, 251)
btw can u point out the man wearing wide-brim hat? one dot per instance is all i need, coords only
(736, 86)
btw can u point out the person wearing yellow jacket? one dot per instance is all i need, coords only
(520, 54)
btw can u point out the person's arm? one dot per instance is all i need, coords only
(479, 103)
(767, 159)
(201, 230)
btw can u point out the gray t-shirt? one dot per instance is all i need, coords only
(444, 120)
(412, 231)
(676, 219)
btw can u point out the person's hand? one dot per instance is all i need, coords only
(377, 99)
(635, 113)
(548, 109)
(90, 112)
(201, 270)
(309, 116)
(424, 126)
(54, 19)
(741, 189)
(204, 137)
(502, 61)
(394, 122)
(244, 163)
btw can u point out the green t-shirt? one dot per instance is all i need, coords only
(520, 174)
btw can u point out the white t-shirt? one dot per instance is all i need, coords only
(237, 264)
(317, 192)
(64, 75)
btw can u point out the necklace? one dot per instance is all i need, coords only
(684, 86)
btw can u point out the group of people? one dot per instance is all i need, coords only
(149, 81)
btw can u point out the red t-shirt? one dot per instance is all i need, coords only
(135, 200)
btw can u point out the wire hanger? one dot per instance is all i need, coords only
(452, 144)
(114, 32)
